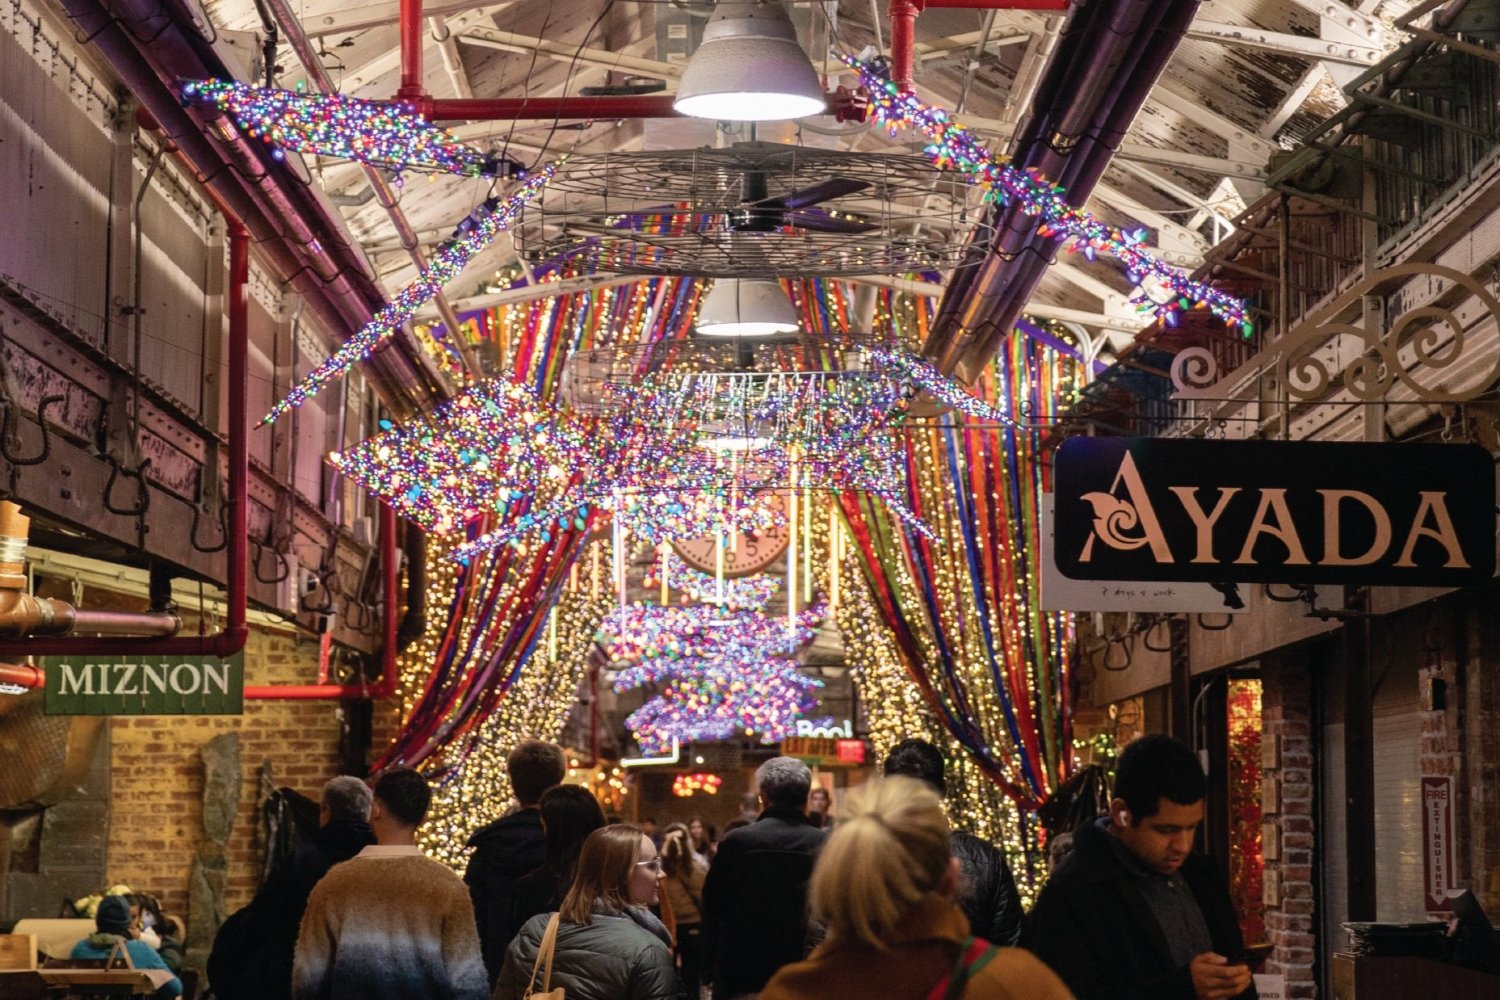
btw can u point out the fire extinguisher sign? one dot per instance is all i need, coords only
(1437, 841)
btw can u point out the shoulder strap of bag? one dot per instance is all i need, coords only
(973, 956)
(548, 945)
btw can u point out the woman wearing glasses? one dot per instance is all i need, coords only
(885, 887)
(608, 946)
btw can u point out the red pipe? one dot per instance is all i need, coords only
(904, 26)
(386, 686)
(21, 674)
(544, 108)
(232, 639)
(411, 88)
(903, 40)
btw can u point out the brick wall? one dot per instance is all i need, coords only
(1288, 808)
(156, 815)
(1479, 837)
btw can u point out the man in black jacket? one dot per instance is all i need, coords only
(755, 896)
(510, 847)
(987, 893)
(1132, 913)
(252, 953)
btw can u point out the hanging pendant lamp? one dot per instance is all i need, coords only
(746, 307)
(749, 68)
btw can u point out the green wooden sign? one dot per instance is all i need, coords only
(144, 685)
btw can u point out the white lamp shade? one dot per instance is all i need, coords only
(745, 307)
(749, 68)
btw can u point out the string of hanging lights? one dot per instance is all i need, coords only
(953, 146)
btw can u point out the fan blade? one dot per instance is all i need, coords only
(834, 187)
(818, 221)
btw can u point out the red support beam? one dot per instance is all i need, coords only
(545, 108)
(845, 105)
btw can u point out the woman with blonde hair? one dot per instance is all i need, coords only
(685, 871)
(885, 887)
(605, 944)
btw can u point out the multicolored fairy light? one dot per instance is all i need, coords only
(677, 455)
(659, 517)
(718, 675)
(381, 133)
(686, 785)
(938, 385)
(953, 146)
(750, 593)
(473, 234)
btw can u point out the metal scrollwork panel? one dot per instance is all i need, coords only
(1421, 349)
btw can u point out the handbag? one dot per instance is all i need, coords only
(549, 944)
(973, 956)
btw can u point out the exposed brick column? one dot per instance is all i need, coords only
(1479, 799)
(1287, 802)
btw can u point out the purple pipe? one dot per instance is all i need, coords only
(1109, 56)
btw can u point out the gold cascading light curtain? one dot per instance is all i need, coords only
(964, 608)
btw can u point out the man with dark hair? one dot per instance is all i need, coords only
(391, 923)
(755, 896)
(252, 953)
(510, 847)
(987, 892)
(1132, 913)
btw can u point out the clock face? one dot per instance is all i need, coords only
(748, 551)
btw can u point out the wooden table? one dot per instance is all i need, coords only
(81, 983)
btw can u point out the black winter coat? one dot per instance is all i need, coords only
(252, 953)
(755, 898)
(987, 894)
(1093, 926)
(503, 851)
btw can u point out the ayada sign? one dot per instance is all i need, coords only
(143, 685)
(1274, 511)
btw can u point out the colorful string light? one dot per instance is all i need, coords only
(476, 232)
(687, 785)
(750, 593)
(953, 146)
(718, 675)
(657, 458)
(380, 133)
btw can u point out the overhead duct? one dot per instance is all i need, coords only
(1108, 58)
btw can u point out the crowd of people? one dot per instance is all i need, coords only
(890, 901)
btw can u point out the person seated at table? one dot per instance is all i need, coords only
(112, 921)
(156, 928)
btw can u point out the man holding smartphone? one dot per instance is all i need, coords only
(1132, 912)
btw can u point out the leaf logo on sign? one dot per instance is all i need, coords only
(1112, 516)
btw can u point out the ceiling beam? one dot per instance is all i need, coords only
(510, 41)
(453, 63)
(932, 289)
(1140, 152)
(1170, 187)
(540, 290)
(954, 46)
(1284, 43)
(347, 20)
